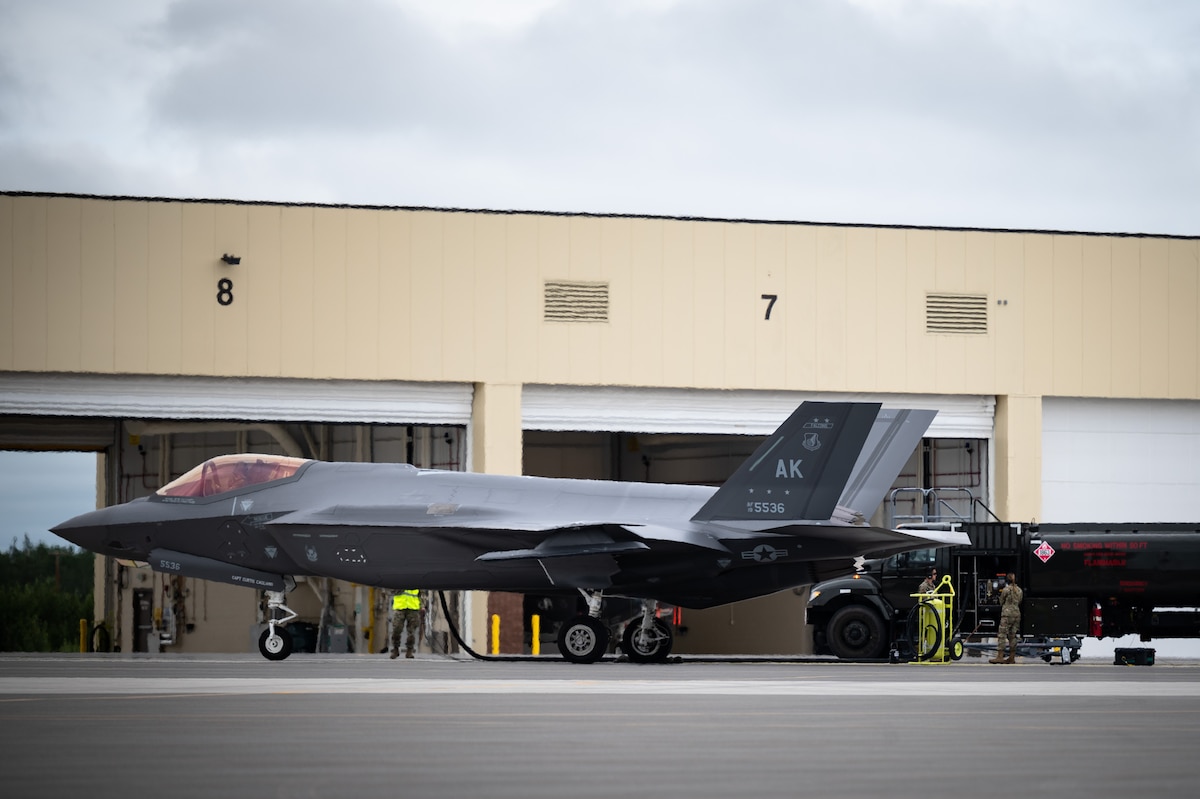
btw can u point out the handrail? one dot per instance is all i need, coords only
(930, 498)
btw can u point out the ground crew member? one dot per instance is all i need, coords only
(406, 615)
(930, 584)
(1010, 620)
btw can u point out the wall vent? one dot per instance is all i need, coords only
(956, 313)
(575, 301)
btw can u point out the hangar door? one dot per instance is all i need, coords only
(154, 428)
(694, 436)
(1112, 460)
(700, 437)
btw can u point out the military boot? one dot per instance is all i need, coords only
(395, 652)
(999, 655)
(1012, 657)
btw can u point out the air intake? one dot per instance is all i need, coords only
(575, 301)
(956, 313)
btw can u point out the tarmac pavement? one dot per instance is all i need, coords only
(344, 726)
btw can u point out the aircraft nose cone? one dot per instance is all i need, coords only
(88, 530)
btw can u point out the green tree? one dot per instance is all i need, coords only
(44, 592)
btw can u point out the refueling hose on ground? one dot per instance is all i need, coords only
(916, 635)
(463, 644)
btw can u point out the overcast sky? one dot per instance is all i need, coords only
(1027, 114)
(1031, 114)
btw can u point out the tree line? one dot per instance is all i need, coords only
(44, 592)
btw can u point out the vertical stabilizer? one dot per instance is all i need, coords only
(801, 470)
(893, 438)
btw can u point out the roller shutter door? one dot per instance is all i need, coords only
(1111, 460)
(650, 410)
(279, 400)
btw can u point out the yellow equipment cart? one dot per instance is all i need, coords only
(931, 626)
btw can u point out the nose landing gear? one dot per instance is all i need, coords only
(275, 643)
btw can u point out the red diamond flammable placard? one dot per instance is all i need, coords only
(1044, 551)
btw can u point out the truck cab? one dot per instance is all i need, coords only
(860, 615)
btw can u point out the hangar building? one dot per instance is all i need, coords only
(158, 332)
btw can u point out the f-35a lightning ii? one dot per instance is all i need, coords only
(796, 510)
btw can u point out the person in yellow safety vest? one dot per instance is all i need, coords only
(406, 615)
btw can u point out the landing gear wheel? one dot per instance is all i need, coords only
(277, 646)
(583, 640)
(857, 632)
(647, 646)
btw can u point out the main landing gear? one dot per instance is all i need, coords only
(584, 639)
(275, 643)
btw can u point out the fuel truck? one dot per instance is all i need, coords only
(1080, 580)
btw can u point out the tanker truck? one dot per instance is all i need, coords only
(1080, 580)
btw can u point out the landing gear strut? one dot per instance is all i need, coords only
(649, 639)
(584, 639)
(275, 643)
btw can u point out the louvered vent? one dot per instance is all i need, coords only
(576, 301)
(956, 313)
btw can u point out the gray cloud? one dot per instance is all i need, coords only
(275, 67)
(1072, 115)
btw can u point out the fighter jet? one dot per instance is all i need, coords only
(796, 510)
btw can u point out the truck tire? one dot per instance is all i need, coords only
(857, 632)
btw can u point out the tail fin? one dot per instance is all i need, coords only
(800, 471)
(893, 438)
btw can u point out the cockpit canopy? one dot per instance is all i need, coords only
(231, 473)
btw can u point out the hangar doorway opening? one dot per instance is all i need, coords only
(945, 479)
(194, 615)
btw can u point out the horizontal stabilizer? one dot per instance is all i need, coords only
(939, 538)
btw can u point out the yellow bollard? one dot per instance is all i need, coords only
(536, 645)
(83, 635)
(496, 634)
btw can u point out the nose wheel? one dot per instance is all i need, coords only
(275, 643)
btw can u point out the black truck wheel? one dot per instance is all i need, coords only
(857, 632)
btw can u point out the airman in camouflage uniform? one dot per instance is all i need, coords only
(1010, 620)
